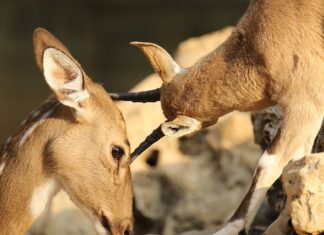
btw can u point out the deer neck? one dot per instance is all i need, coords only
(26, 185)
(218, 84)
(252, 68)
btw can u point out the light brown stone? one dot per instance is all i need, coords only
(303, 179)
(303, 183)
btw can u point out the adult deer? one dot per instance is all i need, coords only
(274, 56)
(76, 141)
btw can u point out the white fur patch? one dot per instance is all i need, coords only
(41, 196)
(99, 228)
(8, 140)
(24, 122)
(34, 126)
(79, 96)
(269, 171)
(267, 160)
(35, 114)
(2, 166)
(180, 126)
(55, 63)
(231, 228)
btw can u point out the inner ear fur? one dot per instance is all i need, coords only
(160, 60)
(182, 125)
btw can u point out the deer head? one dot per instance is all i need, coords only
(89, 157)
(181, 96)
(193, 98)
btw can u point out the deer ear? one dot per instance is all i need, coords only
(43, 39)
(64, 77)
(160, 60)
(180, 126)
(62, 73)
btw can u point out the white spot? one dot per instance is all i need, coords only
(177, 68)
(269, 171)
(41, 196)
(267, 160)
(8, 140)
(56, 61)
(99, 228)
(180, 126)
(35, 114)
(231, 228)
(299, 153)
(79, 96)
(34, 126)
(2, 166)
(24, 122)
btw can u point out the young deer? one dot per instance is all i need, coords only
(274, 56)
(76, 141)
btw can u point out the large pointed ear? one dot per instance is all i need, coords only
(180, 126)
(62, 72)
(160, 60)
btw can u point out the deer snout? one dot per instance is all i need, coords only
(117, 226)
(124, 227)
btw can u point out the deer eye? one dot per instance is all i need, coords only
(117, 152)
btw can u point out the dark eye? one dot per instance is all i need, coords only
(117, 152)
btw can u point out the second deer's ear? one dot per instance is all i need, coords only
(160, 60)
(181, 126)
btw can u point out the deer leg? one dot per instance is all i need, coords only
(281, 225)
(299, 129)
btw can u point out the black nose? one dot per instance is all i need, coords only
(127, 232)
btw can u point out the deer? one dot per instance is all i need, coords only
(275, 56)
(76, 141)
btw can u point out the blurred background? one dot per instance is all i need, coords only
(98, 33)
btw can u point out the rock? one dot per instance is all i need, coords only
(266, 124)
(303, 182)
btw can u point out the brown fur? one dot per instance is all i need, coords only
(74, 149)
(275, 55)
(257, 66)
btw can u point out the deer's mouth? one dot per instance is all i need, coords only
(118, 229)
